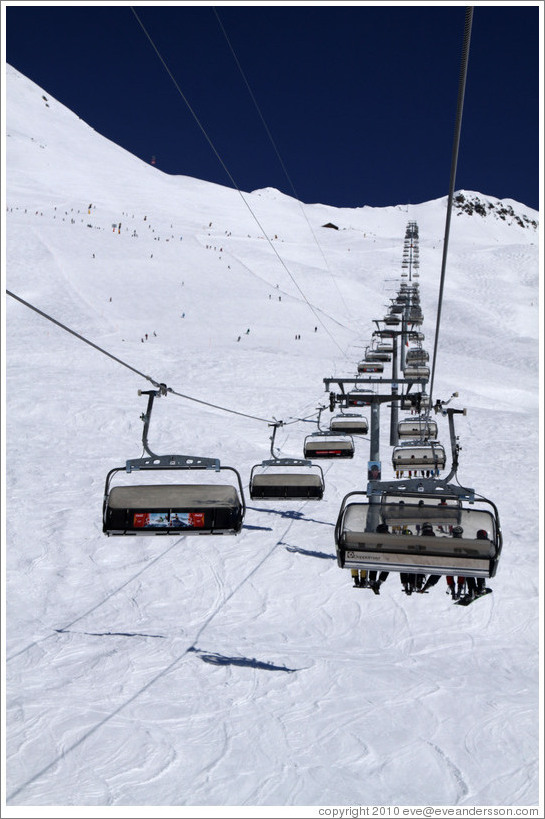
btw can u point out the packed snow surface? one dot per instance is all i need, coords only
(246, 670)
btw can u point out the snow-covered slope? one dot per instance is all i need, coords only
(246, 670)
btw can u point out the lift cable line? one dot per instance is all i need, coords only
(128, 366)
(454, 163)
(223, 165)
(81, 338)
(281, 161)
(160, 385)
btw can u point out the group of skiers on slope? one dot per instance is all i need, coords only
(464, 587)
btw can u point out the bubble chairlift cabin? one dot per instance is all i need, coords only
(172, 507)
(327, 444)
(286, 478)
(404, 507)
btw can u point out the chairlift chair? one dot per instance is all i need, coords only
(286, 478)
(418, 455)
(417, 401)
(351, 423)
(415, 318)
(327, 445)
(357, 398)
(374, 356)
(404, 508)
(416, 371)
(370, 367)
(417, 428)
(417, 355)
(171, 508)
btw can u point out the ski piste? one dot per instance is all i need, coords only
(467, 599)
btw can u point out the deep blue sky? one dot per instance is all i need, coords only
(360, 100)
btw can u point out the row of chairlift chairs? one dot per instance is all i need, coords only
(209, 508)
(300, 478)
(402, 507)
(419, 524)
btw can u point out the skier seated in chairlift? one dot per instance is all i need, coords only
(358, 577)
(474, 585)
(427, 530)
(433, 579)
(375, 584)
(412, 582)
(363, 579)
(477, 585)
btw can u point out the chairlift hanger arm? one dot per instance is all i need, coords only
(166, 461)
(275, 426)
(455, 447)
(320, 409)
(146, 417)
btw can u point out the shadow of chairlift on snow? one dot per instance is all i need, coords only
(245, 662)
(290, 514)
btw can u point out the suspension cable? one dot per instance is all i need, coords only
(454, 163)
(124, 363)
(223, 165)
(82, 338)
(281, 161)
(157, 384)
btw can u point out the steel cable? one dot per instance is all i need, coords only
(195, 117)
(454, 163)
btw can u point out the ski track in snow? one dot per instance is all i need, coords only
(217, 671)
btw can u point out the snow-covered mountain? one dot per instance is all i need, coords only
(223, 671)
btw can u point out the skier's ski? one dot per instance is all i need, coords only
(467, 599)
